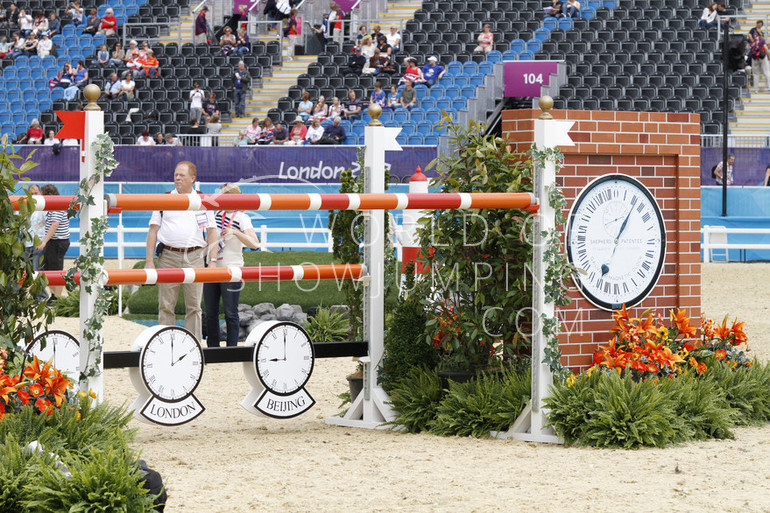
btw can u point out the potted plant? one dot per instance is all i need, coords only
(476, 288)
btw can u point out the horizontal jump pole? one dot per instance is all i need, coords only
(53, 203)
(221, 274)
(122, 359)
(303, 201)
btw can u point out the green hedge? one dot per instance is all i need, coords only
(323, 292)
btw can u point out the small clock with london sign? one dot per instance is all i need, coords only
(61, 347)
(170, 369)
(282, 364)
(616, 237)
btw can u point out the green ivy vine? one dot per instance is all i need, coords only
(90, 263)
(557, 267)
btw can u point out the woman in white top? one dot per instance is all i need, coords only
(145, 139)
(25, 23)
(709, 17)
(49, 141)
(336, 108)
(320, 110)
(394, 38)
(127, 86)
(367, 47)
(235, 233)
(315, 132)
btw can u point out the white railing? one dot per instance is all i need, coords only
(715, 237)
(758, 140)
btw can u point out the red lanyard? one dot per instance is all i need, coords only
(224, 218)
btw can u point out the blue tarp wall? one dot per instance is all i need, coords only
(747, 207)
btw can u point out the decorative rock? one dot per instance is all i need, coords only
(268, 317)
(246, 317)
(263, 308)
(285, 312)
(300, 318)
(243, 307)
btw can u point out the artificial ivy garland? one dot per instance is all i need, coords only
(90, 263)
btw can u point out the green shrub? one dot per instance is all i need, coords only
(327, 326)
(487, 403)
(15, 471)
(606, 410)
(415, 398)
(69, 305)
(747, 390)
(702, 405)
(405, 344)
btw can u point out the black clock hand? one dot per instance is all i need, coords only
(179, 359)
(172, 349)
(623, 226)
(284, 345)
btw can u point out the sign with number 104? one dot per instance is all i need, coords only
(525, 78)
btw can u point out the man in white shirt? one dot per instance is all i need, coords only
(196, 102)
(180, 235)
(112, 87)
(127, 87)
(44, 46)
(394, 38)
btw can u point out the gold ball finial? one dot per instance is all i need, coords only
(375, 111)
(546, 104)
(92, 92)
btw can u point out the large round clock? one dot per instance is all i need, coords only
(616, 238)
(170, 369)
(60, 347)
(282, 364)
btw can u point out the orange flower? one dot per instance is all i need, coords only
(667, 357)
(23, 396)
(720, 354)
(721, 330)
(35, 372)
(740, 336)
(683, 323)
(36, 390)
(41, 405)
(700, 368)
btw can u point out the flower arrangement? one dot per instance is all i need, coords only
(457, 339)
(647, 348)
(43, 386)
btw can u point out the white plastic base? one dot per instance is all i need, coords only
(522, 429)
(373, 413)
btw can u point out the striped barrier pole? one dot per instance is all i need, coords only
(297, 201)
(222, 274)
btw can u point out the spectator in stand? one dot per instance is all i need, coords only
(376, 33)
(280, 136)
(378, 95)
(268, 131)
(408, 96)
(145, 139)
(486, 40)
(79, 81)
(228, 41)
(51, 139)
(305, 107)
(432, 72)
(353, 107)
(118, 55)
(756, 31)
(367, 47)
(131, 54)
(5, 47)
(213, 128)
(25, 23)
(109, 23)
(112, 87)
(290, 32)
(718, 171)
(211, 107)
(34, 134)
(253, 131)
(242, 42)
(314, 133)
(170, 140)
(380, 63)
(394, 98)
(76, 12)
(572, 9)
(127, 87)
(555, 9)
(196, 102)
(335, 23)
(150, 65)
(30, 45)
(321, 31)
(335, 109)
(102, 57)
(243, 16)
(10, 18)
(63, 79)
(320, 109)
(394, 38)
(760, 62)
(355, 64)
(195, 129)
(242, 140)
(16, 45)
(361, 34)
(333, 134)
(241, 87)
(40, 24)
(298, 133)
(54, 25)
(92, 24)
(709, 17)
(384, 47)
(201, 27)
(159, 140)
(412, 72)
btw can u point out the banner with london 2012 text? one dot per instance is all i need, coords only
(265, 164)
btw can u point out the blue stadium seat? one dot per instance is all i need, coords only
(14, 100)
(417, 115)
(19, 118)
(326, 122)
(351, 140)
(400, 116)
(468, 92)
(462, 79)
(459, 103)
(58, 41)
(5, 119)
(99, 39)
(21, 62)
(492, 57)
(386, 116)
(428, 103)
(421, 91)
(11, 85)
(550, 23)
(454, 68)
(452, 92)
(70, 41)
(470, 67)
(452, 112)
(415, 139)
(408, 128)
(542, 34)
(425, 128)
(28, 96)
(37, 74)
(487, 68)
(587, 13)
(444, 103)
(609, 4)
(69, 31)
(477, 79)
(23, 73)
(433, 115)
(565, 23)
(44, 105)
(437, 91)
(517, 46)
(57, 93)
(402, 139)
(526, 56)
(35, 61)
(359, 125)
(533, 45)
(510, 55)
(430, 140)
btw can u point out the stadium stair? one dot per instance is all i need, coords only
(754, 117)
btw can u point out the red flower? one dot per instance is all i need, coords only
(41, 405)
(720, 354)
(36, 390)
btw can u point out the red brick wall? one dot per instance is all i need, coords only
(662, 150)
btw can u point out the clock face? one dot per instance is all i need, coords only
(617, 239)
(172, 364)
(284, 358)
(60, 346)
